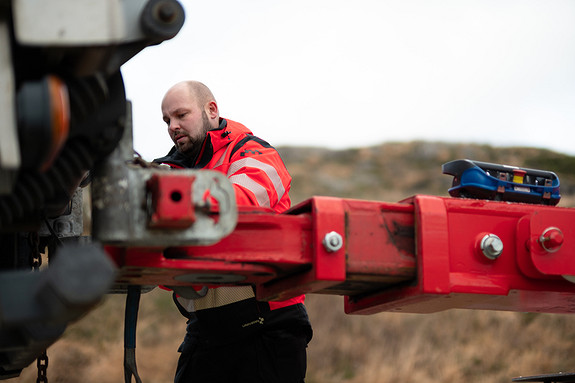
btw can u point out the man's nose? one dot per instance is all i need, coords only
(173, 126)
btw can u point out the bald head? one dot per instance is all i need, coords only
(190, 110)
(198, 92)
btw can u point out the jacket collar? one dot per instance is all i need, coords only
(215, 140)
(175, 158)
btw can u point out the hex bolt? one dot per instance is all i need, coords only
(491, 246)
(162, 19)
(332, 242)
(63, 227)
(166, 12)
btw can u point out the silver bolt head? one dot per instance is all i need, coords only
(491, 246)
(332, 242)
(63, 227)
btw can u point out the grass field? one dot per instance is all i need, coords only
(448, 347)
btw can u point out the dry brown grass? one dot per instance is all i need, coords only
(92, 349)
(451, 346)
(447, 347)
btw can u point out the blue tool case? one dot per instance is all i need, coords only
(483, 180)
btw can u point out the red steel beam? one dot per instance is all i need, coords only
(423, 254)
(284, 255)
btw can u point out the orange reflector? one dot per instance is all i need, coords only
(60, 117)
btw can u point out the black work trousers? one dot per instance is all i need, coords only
(273, 353)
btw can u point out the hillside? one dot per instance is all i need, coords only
(447, 347)
(393, 171)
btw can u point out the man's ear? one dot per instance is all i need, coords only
(212, 110)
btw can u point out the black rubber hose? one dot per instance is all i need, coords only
(33, 189)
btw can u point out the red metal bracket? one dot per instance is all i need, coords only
(171, 204)
(454, 272)
(552, 246)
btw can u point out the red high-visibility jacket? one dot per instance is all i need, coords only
(256, 171)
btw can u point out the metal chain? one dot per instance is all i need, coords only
(42, 364)
(35, 256)
(36, 262)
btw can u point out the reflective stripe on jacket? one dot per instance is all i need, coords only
(254, 167)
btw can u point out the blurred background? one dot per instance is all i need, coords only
(341, 74)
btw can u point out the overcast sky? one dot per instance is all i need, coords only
(358, 73)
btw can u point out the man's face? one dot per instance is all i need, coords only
(187, 121)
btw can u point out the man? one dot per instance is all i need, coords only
(231, 337)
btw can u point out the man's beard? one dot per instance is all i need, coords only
(195, 142)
